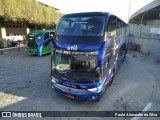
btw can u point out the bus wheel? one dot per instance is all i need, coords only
(124, 58)
(112, 77)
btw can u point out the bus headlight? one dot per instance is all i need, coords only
(54, 80)
(93, 89)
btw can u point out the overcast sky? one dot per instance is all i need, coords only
(117, 7)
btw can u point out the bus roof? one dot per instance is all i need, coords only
(90, 14)
(86, 14)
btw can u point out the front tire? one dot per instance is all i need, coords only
(112, 77)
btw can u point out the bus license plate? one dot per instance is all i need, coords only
(70, 96)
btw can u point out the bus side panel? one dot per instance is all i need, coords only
(120, 52)
(108, 63)
(32, 50)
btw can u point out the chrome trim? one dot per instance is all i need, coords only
(69, 89)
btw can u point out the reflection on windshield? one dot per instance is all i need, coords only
(83, 26)
(62, 62)
(39, 39)
(76, 66)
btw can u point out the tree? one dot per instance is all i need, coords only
(28, 10)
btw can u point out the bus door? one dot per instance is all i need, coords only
(48, 35)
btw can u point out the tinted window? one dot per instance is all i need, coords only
(111, 27)
(46, 36)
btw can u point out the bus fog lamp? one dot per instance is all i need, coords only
(92, 98)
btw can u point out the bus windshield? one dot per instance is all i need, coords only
(81, 26)
(80, 67)
(32, 38)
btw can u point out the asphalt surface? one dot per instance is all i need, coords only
(25, 86)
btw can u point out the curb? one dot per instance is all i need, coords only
(5, 51)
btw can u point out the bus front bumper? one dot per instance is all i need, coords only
(32, 50)
(78, 94)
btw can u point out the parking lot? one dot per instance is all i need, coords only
(25, 86)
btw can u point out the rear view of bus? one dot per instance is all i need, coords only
(83, 61)
(36, 38)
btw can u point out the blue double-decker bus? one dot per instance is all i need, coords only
(88, 50)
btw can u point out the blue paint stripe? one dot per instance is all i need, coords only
(42, 44)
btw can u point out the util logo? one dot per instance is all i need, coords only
(74, 47)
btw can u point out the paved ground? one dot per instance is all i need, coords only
(25, 85)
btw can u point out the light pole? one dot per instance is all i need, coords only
(128, 20)
(129, 9)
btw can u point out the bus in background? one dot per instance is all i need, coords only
(88, 50)
(38, 38)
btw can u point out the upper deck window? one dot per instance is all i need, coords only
(81, 26)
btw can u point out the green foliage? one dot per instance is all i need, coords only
(28, 10)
